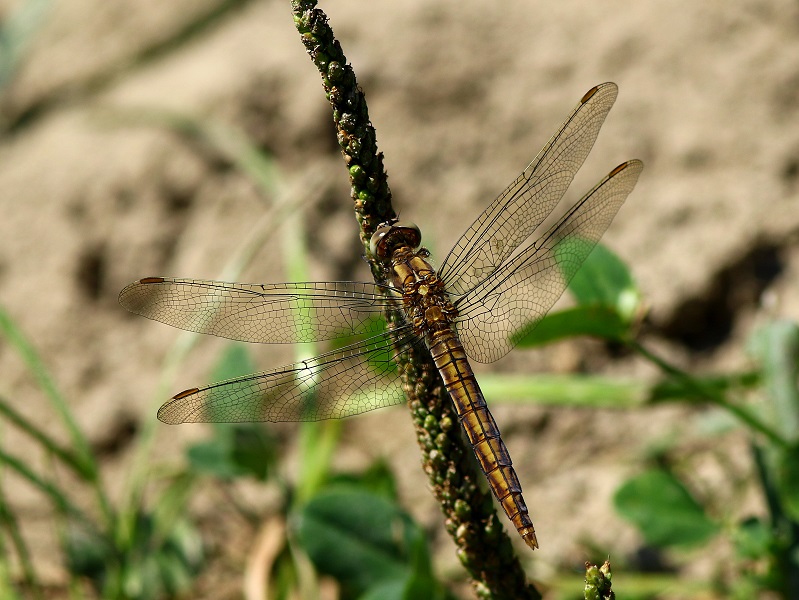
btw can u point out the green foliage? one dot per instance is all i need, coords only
(368, 544)
(350, 525)
(605, 280)
(656, 500)
(235, 450)
(155, 562)
(608, 302)
(132, 551)
(664, 510)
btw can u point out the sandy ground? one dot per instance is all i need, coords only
(462, 96)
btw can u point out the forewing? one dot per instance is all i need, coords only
(523, 206)
(348, 381)
(268, 313)
(521, 292)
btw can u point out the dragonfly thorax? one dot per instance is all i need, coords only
(425, 301)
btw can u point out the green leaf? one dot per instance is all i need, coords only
(359, 538)
(607, 297)
(236, 450)
(605, 280)
(413, 587)
(254, 450)
(377, 479)
(235, 361)
(390, 589)
(86, 552)
(663, 510)
(754, 539)
(594, 320)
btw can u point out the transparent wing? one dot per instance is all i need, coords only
(523, 289)
(523, 206)
(268, 313)
(348, 381)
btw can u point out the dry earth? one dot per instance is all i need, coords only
(462, 95)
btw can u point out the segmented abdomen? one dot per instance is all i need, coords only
(481, 429)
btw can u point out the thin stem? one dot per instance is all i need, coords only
(709, 393)
(483, 546)
(354, 131)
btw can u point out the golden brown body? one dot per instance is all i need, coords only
(430, 311)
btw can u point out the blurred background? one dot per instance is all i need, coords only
(125, 139)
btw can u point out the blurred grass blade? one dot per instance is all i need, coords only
(564, 390)
(37, 368)
(64, 455)
(261, 231)
(171, 505)
(317, 440)
(56, 495)
(675, 389)
(225, 141)
(788, 482)
(10, 524)
(663, 510)
(776, 348)
(16, 33)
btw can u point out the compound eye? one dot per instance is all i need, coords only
(376, 245)
(411, 234)
(388, 237)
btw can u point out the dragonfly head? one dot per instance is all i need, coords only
(393, 234)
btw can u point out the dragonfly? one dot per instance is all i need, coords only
(499, 280)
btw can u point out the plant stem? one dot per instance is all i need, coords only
(709, 393)
(483, 547)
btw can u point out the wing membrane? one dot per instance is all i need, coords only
(523, 206)
(268, 313)
(524, 289)
(348, 381)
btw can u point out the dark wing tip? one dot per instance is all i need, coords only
(128, 296)
(630, 164)
(609, 85)
(185, 393)
(170, 412)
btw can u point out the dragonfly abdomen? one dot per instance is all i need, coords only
(481, 429)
